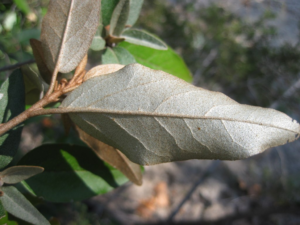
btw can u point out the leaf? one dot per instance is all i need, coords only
(107, 8)
(34, 85)
(23, 6)
(16, 174)
(24, 36)
(114, 157)
(2, 211)
(123, 56)
(98, 42)
(153, 117)
(67, 122)
(135, 9)
(119, 18)
(68, 29)
(109, 57)
(37, 50)
(167, 61)
(117, 55)
(71, 173)
(16, 204)
(9, 21)
(12, 103)
(7, 221)
(102, 70)
(140, 37)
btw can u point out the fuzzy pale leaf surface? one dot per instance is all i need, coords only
(154, 117)
(67, 32)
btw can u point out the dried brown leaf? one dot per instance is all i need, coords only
(160, 199)
(67, 122)
(81, 67)
(161, 195)
(113, 156)
(67, 32)
(101, 70)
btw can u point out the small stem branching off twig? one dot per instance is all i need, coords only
(12, 67)
(53, 95)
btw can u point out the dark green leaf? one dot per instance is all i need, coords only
(7, 221)
(25, 35)
(98, 42)
(37, 51)
(135, 9)
(16, 174)
(119, 18)
(140, 37)
(117, 55)
(12, 103)
(71, 173)
(34, 85)
(16, 204)
(167, 61)
(2, 210)
(114, 157)
(107, 8)
(22, 5)
(30, 197)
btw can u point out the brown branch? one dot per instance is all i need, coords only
(53, 81)
(29, 112)
(38, 108)
(15, 66)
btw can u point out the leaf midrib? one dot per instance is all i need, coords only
(152, 114)
(63, 40)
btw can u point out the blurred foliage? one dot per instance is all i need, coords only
(18, 23)
(224, 52)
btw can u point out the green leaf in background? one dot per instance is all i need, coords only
(24, 36)
(34, 85)
(16, 204)
(5, 220)
(167, 61)
(140, 37)
(135, 9)
(10, 20)
(16, 174)
(71, 173)
(98, 42)
(107, 8)
(109, 57)
(124, 56)
(37, 50)
(23, 6)
(12, 103)
(119, 18)
(117, 55)
(2, 211)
